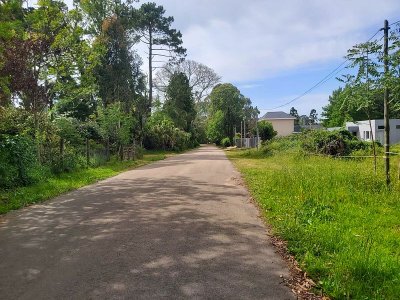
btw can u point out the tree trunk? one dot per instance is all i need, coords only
(150, 70)
(373, 142)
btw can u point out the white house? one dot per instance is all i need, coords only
(282, 122)
(362, 130)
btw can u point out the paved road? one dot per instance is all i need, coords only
(179, 228)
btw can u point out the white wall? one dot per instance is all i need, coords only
(284, 127)
(378, 131)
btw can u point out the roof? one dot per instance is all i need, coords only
(277, 115)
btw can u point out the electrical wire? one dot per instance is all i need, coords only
(394, 23)
(323, 80)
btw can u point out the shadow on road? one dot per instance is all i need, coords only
(146, 237)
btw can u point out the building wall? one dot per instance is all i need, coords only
(284, 127)
(378, 130)
(394, 131)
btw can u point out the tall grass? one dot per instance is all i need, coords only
(340, 220)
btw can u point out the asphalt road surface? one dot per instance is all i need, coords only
(176, 229)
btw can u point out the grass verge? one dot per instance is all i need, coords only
(340, 221)
(56, 185)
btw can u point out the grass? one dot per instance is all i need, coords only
(340, 221)
(57, 185)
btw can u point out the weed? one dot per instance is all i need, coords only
(340, 220)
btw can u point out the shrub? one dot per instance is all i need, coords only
(225, 142)
(67, 163)
(336, 143)
(18, 164)
(265, 130)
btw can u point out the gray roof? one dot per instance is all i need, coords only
(277, 115)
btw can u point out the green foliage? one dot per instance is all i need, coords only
(18, 165)
(338, 218)
(362, 96)
(161, 133)
(55, 185)
(335, 143)
(265, 130)
(225, 142)
(313, 117)
(114, 73)
(154, 30)
(179, 104)
(215, 127)
(228, 107)
(81, 94)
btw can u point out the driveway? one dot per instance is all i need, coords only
(179, 228)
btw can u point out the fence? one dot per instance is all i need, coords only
(247, 142)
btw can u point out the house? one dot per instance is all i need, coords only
(362, 130)
(282, 122)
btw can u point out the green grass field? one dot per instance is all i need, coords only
(340, 220)
(56, 185)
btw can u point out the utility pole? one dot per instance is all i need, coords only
(258, 134)
(386, 101)
(244, 132)
(241, 134)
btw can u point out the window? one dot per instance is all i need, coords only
(366, 135)
(381, 127)
(397, 126)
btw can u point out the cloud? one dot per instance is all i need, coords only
(249, 86)
(246, 41)
(249, 40)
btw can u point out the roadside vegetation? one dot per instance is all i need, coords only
(75, 103)
(339, 219)
(57, 184)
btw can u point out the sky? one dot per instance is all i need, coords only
(273, 51)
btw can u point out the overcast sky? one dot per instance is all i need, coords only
(274, 50)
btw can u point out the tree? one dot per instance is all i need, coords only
(96, 11)
(179, 104)
(266, 130)
(115, 72)
(12, 16)
(154, 30)
(250, 115)
(227, 99)
(313, 117)
(201, 78)
(293, 112)
(216, 127)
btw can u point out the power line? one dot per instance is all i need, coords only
(322, 81)
(325, 79)
(394, 23)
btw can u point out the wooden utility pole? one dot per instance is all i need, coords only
(386, 101)
(258, 134)
(244, 132)
(150, 70)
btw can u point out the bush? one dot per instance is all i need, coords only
(336, 143)
(225, 142)
(68, 163)
(18, 164)
(265, 130)
(181, 140)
